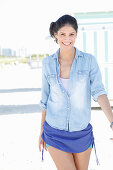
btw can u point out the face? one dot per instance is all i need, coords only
(66, 36)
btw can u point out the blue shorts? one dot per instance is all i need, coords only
(91, 146)
(72, 142)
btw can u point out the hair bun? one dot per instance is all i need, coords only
(52, 28)
(52, 25)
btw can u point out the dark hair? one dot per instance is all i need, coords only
(62, 21)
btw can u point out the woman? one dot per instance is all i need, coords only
(69, 78)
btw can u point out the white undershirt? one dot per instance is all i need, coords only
(65, 83)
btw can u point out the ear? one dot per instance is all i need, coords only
(55, 35)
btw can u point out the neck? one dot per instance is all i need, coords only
(67, 54)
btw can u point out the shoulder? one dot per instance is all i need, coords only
(88, 57)
(92, 59)
(48, 59)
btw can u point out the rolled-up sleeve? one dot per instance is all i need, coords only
(97, 87)
(44, 88)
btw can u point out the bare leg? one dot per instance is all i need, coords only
(63, 160)
(82, 159)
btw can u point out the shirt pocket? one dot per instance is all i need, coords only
(52, 79)
(82, 74)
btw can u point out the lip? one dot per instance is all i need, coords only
(67, 43)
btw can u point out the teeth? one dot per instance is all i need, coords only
(66, 44)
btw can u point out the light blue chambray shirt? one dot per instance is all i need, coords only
(70, 111)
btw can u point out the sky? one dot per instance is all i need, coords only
(25, 23)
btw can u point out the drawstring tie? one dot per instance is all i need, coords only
(96, 155)
(43, 151)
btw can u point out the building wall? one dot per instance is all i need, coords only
(6, 52)
(95, 35)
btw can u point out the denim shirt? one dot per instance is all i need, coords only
(70, 111)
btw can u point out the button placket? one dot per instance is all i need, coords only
(68, 112)
(67, 94)
(62, 88)
(59, 81)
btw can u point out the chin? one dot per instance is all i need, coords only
(67, 47)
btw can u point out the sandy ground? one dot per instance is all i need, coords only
(20, 118)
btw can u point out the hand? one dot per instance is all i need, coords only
(41, 143)
(111, 138)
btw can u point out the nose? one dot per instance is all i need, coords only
(67, 38)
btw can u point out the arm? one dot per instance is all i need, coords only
(41, 130)
(105, 106)
(42, 120)
(45, 90)
(97, 87)
(98, 91)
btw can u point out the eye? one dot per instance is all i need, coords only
(72, 34)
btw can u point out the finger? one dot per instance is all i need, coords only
(39, 148)
(111, 138)
(45, 146)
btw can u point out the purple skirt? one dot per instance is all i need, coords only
(73, 142)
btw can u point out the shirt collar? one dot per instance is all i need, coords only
(77, 54)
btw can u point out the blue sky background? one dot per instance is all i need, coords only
(25, 23)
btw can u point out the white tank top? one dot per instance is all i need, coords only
(65, 83)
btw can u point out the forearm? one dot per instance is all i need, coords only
(42, 120)
(105, 106)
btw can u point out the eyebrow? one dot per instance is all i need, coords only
(70, 33)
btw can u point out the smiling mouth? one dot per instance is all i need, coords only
(66, 44)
